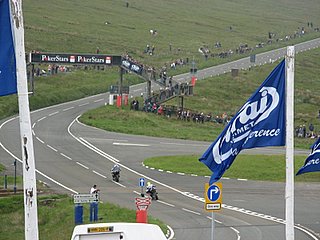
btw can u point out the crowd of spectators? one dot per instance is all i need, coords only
(244, 48)
(301, 131)
(51, 69)
(180, 114)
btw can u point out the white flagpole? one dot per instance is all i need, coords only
(290, 143)
(29, 174)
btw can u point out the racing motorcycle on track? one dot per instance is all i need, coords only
(115, 176)
(152, 192)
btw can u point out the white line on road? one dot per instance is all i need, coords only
(99, 100)
(131, 144)
(82, 165)
(97, 150)
(101, 175)
(119, 184)
(214, 220)
(165, 203)
(83, 104)
(54, 113)
(39, 140)
(66, 109)
(62, 154)
(52, 148)
(242, 179)
(41, 119)
(237, 232)
(190, 211)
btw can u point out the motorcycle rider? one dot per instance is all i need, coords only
(150, 187)
(151, 191)
(115, 170)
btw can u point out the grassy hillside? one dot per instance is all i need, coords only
(82, 26)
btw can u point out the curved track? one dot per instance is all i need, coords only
(70, 157)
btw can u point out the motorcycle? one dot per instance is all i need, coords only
(153, 193)
(116, 176)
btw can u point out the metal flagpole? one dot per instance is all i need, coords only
(289, 143)
(29, 175)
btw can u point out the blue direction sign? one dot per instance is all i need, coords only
(213, 193)
(141, 182)
(213, 197)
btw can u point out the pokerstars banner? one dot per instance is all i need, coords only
(75, 58)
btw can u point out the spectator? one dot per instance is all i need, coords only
(304, 130)
(311, 129)
(94, 189)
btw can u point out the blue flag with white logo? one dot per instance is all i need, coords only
(260, 122)
(8, 79)
(312, 163)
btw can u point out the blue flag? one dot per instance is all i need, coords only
(312, 163)
(260, 122)
(8, 79)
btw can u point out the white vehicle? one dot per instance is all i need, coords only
(116, 231)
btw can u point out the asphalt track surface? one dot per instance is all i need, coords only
(70, 157)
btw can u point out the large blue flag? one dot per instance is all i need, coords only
(312, 163)
(8, 79)
(260, 122)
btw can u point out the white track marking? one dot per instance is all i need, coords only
(170, 231)
(52, 148)
(66, 109)
(165, 203)
(131, 144)
(101, 175)
(82, 165)
(119, 184)
(54, 113)
(62, 154)
(39, 140)
(41, 119)
(83, 104)
(190, 211)
(97, 150)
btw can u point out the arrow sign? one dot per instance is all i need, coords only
(213, 197)
(213, 193)
(141, 182)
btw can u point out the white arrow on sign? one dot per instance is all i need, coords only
(213, 191)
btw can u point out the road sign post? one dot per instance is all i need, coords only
(141, 184)
(213, 197)
(213, 202)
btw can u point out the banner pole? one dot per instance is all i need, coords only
(26, 140)
(289, 195)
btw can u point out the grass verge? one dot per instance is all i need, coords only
(252, 167)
